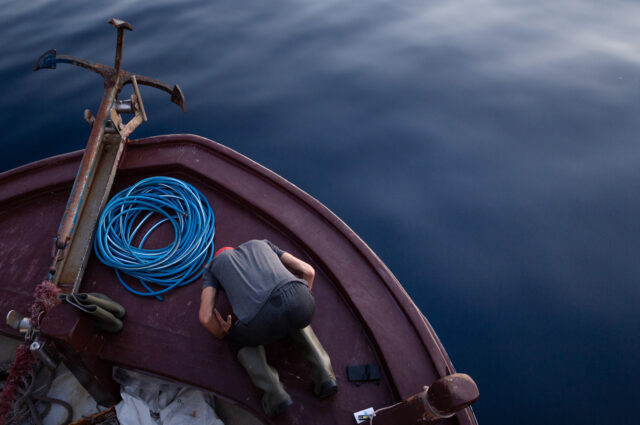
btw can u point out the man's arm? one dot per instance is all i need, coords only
(298, 268)
(209, 315)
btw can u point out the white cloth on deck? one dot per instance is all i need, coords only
(148, 400)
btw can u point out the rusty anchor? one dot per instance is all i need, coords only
(105, 147)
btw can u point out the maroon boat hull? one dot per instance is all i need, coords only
(363, 315)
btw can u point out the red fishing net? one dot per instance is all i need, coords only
(45, 296)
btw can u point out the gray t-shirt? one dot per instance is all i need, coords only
(248, 274)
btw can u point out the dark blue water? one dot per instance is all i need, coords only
(488, 151)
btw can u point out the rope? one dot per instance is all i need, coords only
(148, 204)
(45, 297)
(32, 406)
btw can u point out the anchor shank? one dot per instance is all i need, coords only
(119, 45)
(90, 190)
(120, 25)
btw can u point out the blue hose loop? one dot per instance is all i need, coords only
(164, 199)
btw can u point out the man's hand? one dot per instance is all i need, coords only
(225, 325)
(209, 315)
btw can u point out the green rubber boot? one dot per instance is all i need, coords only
(103, 301)
(102, 319)
(275, 399)
(324, 380)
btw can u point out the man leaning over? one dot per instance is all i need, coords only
(270, 294)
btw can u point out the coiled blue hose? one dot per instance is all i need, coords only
(164, 199)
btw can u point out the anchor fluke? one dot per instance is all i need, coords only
(46, 61)
(178, 98)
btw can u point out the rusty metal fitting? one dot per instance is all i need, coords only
(38, 349)
(18, 322)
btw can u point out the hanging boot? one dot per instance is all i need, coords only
(102, 319)
(275, 399)
(103, 301)
(324, 380)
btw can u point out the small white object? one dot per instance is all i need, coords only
(363, 415)
(131, 410)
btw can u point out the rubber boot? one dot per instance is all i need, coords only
(275, 399)
(324, 380)
(103, 301)
(102, 319)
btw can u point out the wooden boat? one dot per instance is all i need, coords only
(363, 315)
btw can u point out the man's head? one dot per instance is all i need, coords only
(222, 250)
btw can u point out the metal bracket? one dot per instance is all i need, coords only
(135, 106)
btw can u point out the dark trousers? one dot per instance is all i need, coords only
(288, 308)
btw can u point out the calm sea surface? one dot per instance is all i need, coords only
(488, 151)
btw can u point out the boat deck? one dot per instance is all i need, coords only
(362, 314)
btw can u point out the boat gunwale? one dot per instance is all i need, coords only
(68, 161)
